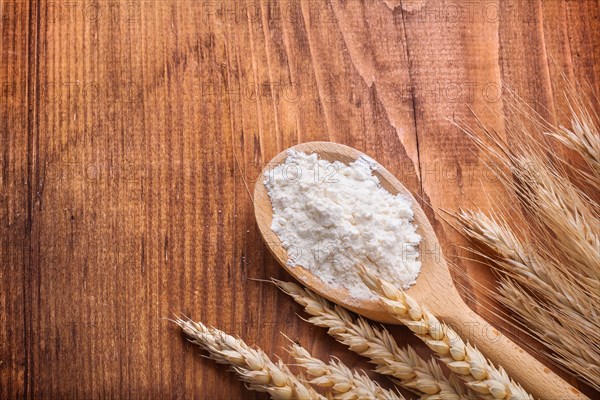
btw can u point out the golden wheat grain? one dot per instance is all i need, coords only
(341, 380)
(252, 365)
(463, 359)
(376, 344)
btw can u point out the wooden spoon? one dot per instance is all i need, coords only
(434, 286)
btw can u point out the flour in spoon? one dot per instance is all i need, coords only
(332, 216)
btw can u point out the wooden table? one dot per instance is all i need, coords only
(131, 131)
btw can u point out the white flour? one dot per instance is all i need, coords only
(330, 216)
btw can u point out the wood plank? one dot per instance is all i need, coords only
(17, 39)
(131, 131)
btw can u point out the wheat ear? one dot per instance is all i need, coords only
(533, 267)
(557, 205)
(568, 347)
(562, 309)
(252, 365)
(582, 136)
(344, 383)
(463, 359)
(376, 344)
(561, 213)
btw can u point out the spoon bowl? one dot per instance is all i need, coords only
(369, 308)
(433, 288)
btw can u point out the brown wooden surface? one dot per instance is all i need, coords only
(130, 132)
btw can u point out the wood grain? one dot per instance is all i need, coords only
(131, 131)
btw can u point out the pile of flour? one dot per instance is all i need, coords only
(331, 216)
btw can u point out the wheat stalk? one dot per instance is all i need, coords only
(341, 380)
(252, 365)
(480, 375)
(566, 321)
(376, 344)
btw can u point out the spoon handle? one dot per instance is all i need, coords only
(536, 378)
